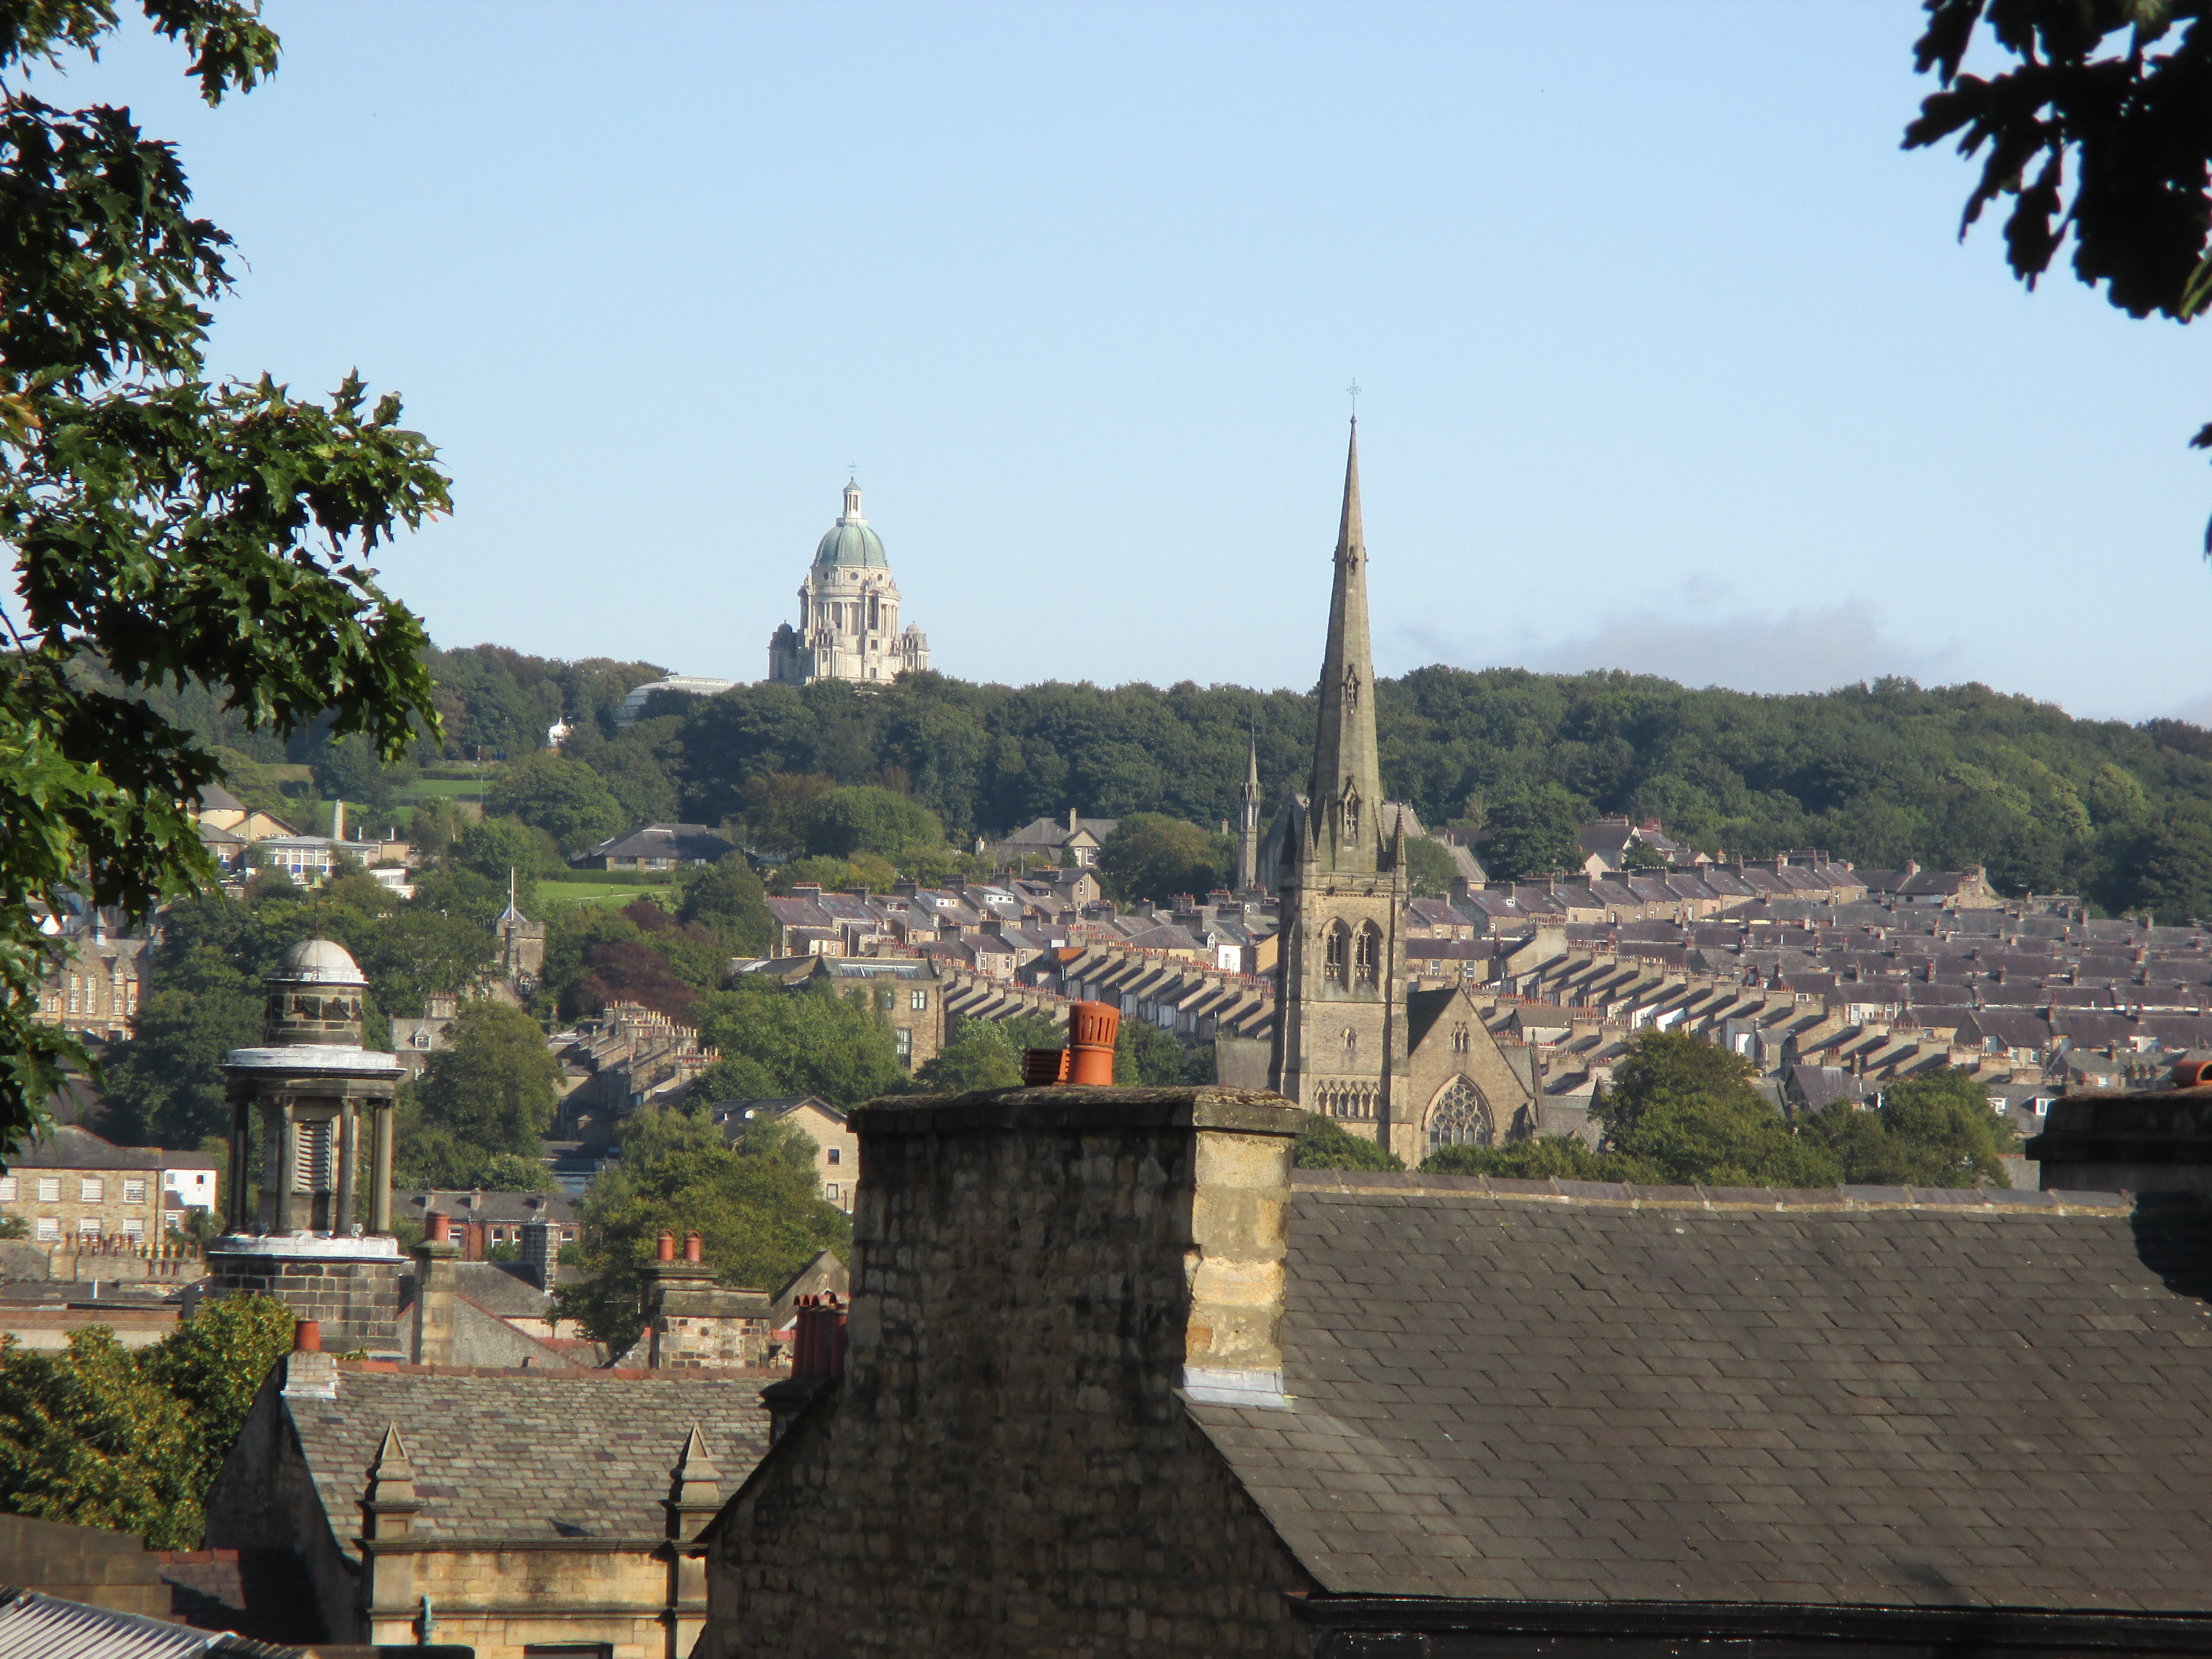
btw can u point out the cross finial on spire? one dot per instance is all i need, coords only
(1353, 393)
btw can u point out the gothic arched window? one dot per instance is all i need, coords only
(1352, 818)
(1460, 1116)
(1369, 960)
(1334, 950)
(1351, 686)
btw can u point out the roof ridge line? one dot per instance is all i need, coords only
(1627, 1196)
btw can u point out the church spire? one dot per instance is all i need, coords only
(1346, 801)
(1248, 822)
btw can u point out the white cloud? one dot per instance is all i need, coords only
(1808, 649)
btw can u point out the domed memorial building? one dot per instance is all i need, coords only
(848, 607)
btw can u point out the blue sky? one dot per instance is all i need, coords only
(1670, 357)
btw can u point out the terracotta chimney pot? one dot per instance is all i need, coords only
(691, 1246)
(667, 1245)
(308, 1336)
(1092, 1028)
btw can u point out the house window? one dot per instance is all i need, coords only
(87, 1226)
(50, 1189)
(919, 1000)
(829, 1191)
(135, 1229)
(134, 1192)
(1334, 951)
(49, 1228)
(903, 1042)
(92, 1189)
(836, 1155)
(7, 1189)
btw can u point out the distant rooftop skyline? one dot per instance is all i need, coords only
(1670, 358)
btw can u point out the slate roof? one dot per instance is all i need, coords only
(499, 1207)
(1563, 1392)
(662, 841)
(518, 1456)
(69, 1147)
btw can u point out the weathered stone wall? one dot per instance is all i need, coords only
(263, 1497)
(502, 1601)
(1006, 1467)
(356, 1303)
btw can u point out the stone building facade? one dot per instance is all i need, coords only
(848, 613)
(92, 985)
(71, 1185)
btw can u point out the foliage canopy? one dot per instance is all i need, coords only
(183, 531)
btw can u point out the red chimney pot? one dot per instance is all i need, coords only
(1092, 1028)
(667, 1245)
(308, 1336)
(692, 1247)
(440, 1226)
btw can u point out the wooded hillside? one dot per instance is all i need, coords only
(1877, 773)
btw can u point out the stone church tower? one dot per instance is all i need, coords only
(1340, 1042)
(848, 608)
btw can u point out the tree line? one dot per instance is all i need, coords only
(1681, 1111)
(1878, 773)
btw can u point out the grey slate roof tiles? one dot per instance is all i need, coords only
(1954, 1404)
(514, 1456)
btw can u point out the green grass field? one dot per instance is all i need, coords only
(423, 788)
(574, 895)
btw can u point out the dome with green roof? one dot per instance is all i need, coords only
(852, 540)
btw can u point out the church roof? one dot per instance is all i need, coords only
(1565, 1392)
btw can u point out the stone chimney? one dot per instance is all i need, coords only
(1157, 1215)
(541, 1252)
(436, 1281)
(691, 1323)
(309, 1373)
(2154, 1140)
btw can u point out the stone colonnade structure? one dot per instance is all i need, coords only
(309, 1086)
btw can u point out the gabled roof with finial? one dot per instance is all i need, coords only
(391, 1475)
(523, 1454)
(695, 1483)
